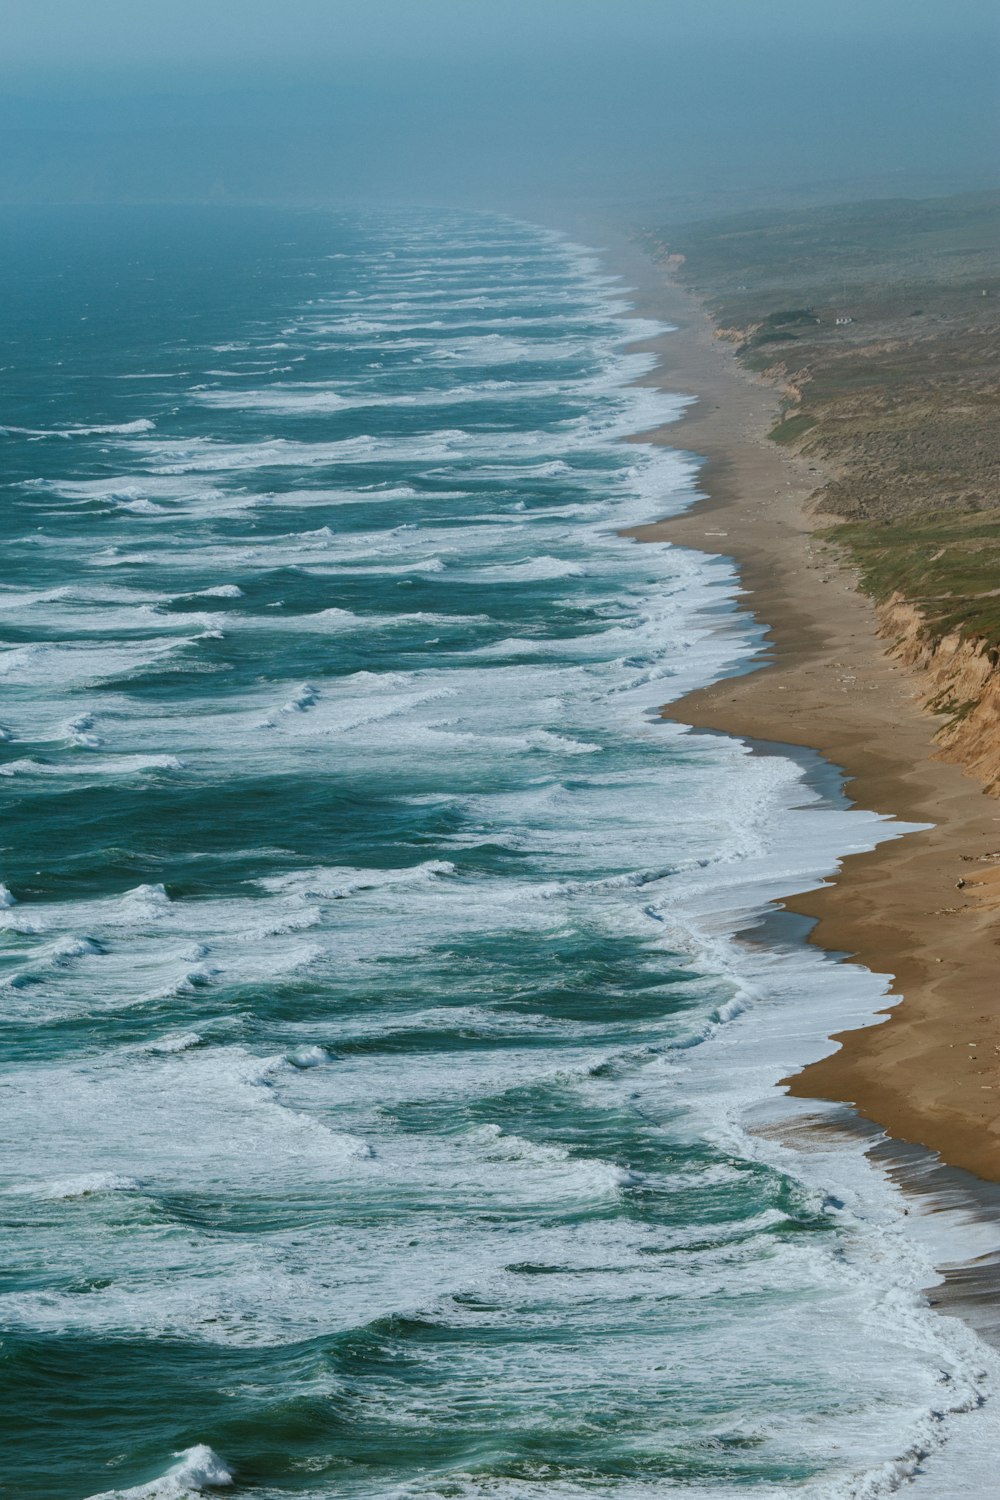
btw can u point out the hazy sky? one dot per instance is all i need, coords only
(114, 33)
(329, 99)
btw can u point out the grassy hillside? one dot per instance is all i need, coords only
(882, 321)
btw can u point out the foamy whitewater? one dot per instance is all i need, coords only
(390, 1106)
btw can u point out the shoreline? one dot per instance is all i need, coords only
(827, 684)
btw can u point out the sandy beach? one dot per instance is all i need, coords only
(921, 908)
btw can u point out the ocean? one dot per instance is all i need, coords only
(388, 1099)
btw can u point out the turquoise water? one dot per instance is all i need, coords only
(388, 1106)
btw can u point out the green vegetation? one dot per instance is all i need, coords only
(948, 565)
(794, 315)
(792, 428)
(767, 335)
(882, 320)
(750, 265)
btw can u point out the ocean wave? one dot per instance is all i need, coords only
(199, 1471)
(453, 980)
(336, 884)
(108, 429)
(96, 1184)
(115, 765)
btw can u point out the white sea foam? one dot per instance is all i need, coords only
(117, 765)
(76, 664)
(307, 398)
(199, 1471)
(108, 429)
(673, 845)
(87, 1186)
(335, 884)
(530, 569)
(177, 1042)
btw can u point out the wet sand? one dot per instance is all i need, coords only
(930, 1073)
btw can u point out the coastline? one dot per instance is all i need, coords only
(928, 1074)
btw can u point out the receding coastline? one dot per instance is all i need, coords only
(930, 1074)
